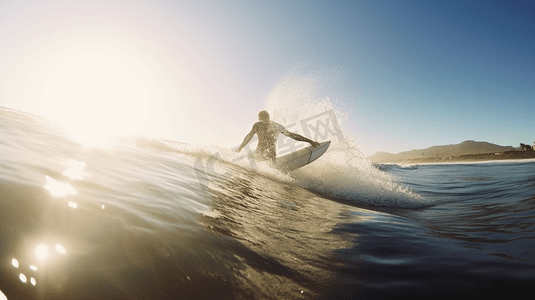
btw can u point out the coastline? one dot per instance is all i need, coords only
(508, 155)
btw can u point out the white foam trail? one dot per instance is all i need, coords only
(343, 173)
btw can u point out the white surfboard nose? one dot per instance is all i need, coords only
(318, 151)
(301, 157)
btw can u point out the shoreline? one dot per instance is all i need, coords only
(508, 155)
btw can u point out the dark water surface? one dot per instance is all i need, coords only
(143, 219)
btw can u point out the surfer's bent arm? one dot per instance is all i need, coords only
(247, 139)
(300, 138)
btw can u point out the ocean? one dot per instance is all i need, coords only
(144, 218)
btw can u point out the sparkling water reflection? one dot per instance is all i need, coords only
(41, 252)
(60, 249)
(59, 189)
(75, 170)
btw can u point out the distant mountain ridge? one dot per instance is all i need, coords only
(464, 148)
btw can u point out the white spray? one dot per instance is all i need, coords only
(343, 172)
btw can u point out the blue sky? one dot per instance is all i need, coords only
(404, 74)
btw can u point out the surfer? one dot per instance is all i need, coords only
(267, 132)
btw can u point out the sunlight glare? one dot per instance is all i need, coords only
(15, 263)
(97, 90)
(41, 251)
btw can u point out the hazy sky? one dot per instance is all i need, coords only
(402, 75)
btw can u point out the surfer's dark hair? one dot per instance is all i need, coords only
(263, 115)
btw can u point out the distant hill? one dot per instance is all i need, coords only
(464, 148)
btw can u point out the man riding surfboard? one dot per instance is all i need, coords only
(267, 132)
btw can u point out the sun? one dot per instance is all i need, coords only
(97, 90)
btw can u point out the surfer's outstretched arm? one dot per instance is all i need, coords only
(247, 139)
(299, 137)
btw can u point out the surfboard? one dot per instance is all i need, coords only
(301, 157)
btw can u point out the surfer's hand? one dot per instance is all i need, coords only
(237, 150)
(315, 144)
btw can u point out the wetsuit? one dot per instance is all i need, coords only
(267, 133)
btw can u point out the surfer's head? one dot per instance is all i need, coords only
(263, 116)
